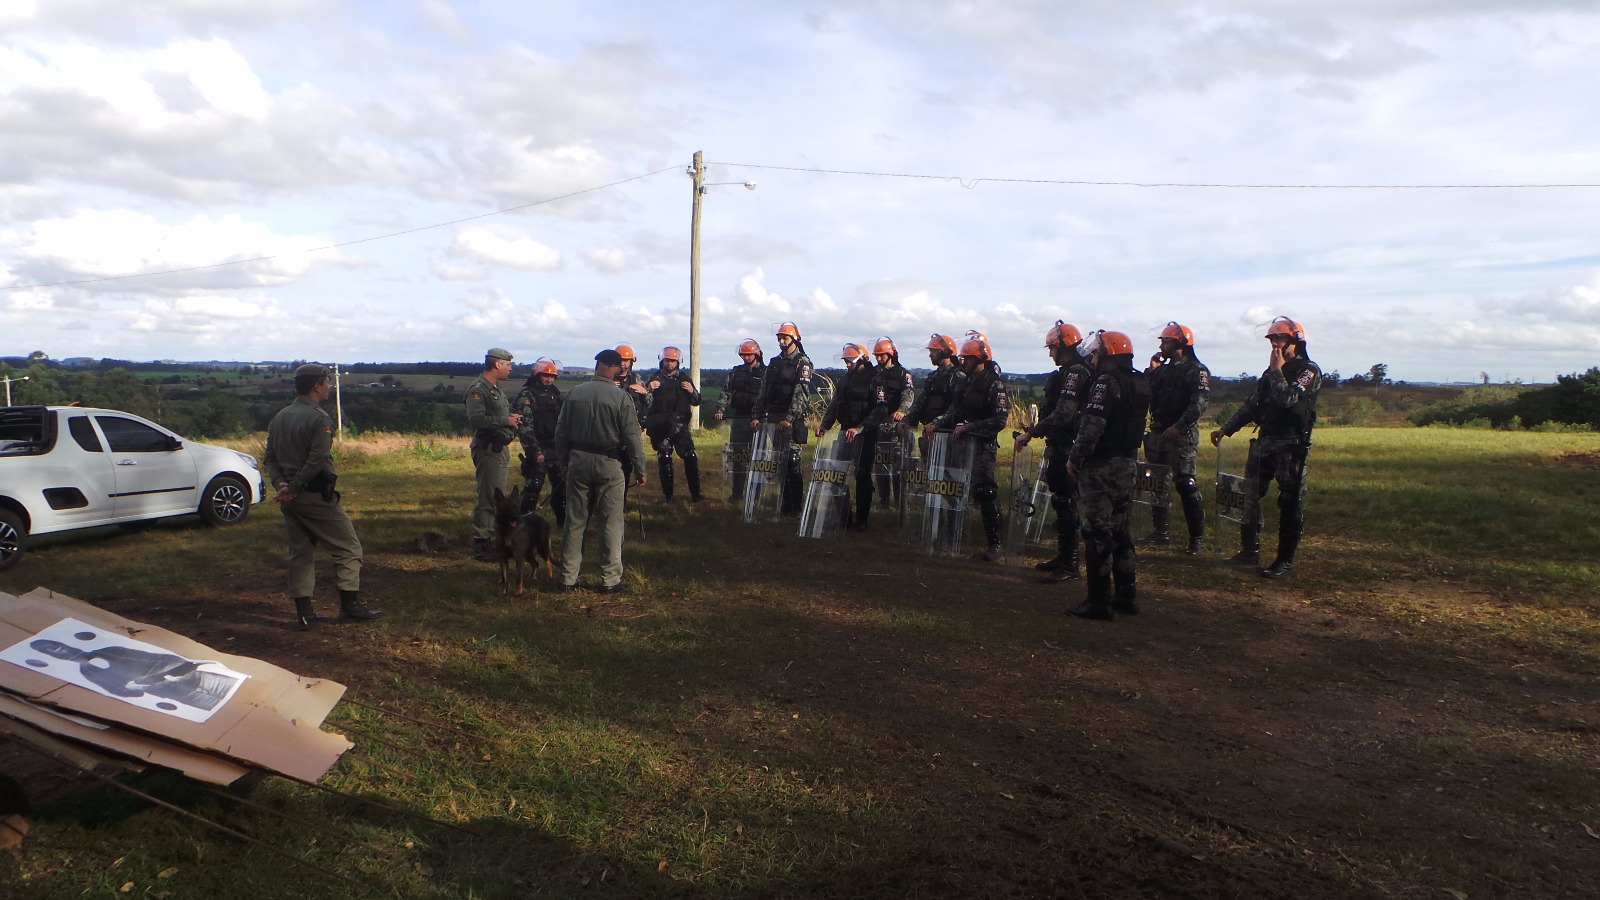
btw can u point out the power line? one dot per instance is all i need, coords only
(970, 183)
(376, 237)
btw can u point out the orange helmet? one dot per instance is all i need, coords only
(1179, 333)
(1115, 343)
(852, 353)
(544, 365)
(1062, 333)
(749, 346)
(884, 345)
(672, 353)
(626, 352)
(1287, 327)
(942, 342)
(789, 328)
(977, 344)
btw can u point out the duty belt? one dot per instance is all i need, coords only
(597, 449)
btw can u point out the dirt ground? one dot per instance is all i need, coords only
(1252, 739)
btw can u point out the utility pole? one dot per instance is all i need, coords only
(8, 379)
(698, 172)
(338, 404)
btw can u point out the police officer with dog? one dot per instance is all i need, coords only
(539, 405)
(1103, 460)
(494, 427)
(598, 428)
(672, 396)
(1284, 406)
(1179, 388)
(299, 463)
(738, 405)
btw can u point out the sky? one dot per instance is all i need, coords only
(421, 180)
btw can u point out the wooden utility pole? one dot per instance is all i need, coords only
(338, 405)
(698, 171)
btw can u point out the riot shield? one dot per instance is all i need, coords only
(1152, 485)
(944, 517)
(827, 507)
(913, 490)
(1234, 497)
(886, 470)
(735, 460)
(763, 492)
(1043, 510)
(1022, 503)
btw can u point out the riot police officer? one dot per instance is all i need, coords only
(1064, 393)
(1284, 405)
(979, 412)
(854, 399)
(885, 422)
(539, 404)
(672, 395)
(737, 405)
(1103, 459)
(1179, 389)
(782, 401)
(633, 384)
(939, 389)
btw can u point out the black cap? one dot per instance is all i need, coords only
(608, 358)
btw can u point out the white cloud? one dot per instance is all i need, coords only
(503, 247)
(606, 259)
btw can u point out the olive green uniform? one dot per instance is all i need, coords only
(299, 451)
(489, 417)
(597, 430)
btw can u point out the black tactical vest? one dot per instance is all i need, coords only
(1125, 420)
(1297, 420)
(544, 405)
(670, 403)
(783, 376)
(744, 386)
(857, 396)
(939, 390)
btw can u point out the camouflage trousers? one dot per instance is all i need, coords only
(1105, 498)
(1180, 457)
(1285, 463)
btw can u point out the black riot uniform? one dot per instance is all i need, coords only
(899, 393)
(857, 398)
(1064, 394)
(627, 379)
(1284, 405)
(784, 391)
(982, 406)
(540, 406)
(737, 407)
(1105, 454)
(1179, 391)
(667, 426)
(938, 392)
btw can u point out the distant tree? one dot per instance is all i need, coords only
(1331, 379)
(119, 389)
(387, 381)
(1484, 376)
(37, 355)
(1378, 374)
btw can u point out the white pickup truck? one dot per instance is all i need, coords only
(68, 467)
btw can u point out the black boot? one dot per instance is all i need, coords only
(1249, 546)
(858, 522)
(1097, 605)
(1194, 516)
(1126, 599)
(990, 509)
(352, 609)
(666, 477)
(305, 614)
(558, 504)
(1283, 566)
(1161, 532)
(1068, 569)
(691, 471)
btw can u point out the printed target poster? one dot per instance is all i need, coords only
(116, 665)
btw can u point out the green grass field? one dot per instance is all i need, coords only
(1413, 715)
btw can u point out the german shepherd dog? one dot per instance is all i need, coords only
(519, 537)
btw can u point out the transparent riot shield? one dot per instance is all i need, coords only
(913, 489)
(827, 507)
(1044, 510)
(1234, 495)
(763, 492)
(944, 517)
(735, 461)
(1152, 485)
(886, 470)
(1022, 504)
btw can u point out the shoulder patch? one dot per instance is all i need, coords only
(475, 395)
(1306, 379)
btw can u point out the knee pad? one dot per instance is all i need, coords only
(985, 494)
(690, 455)
(1187, 485)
